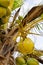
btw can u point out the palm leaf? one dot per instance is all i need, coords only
(17, 3)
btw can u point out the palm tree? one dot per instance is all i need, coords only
(20, 26)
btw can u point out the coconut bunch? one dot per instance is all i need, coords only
(5, 10)
(25, 46)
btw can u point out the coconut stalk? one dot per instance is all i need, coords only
(32, 24)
